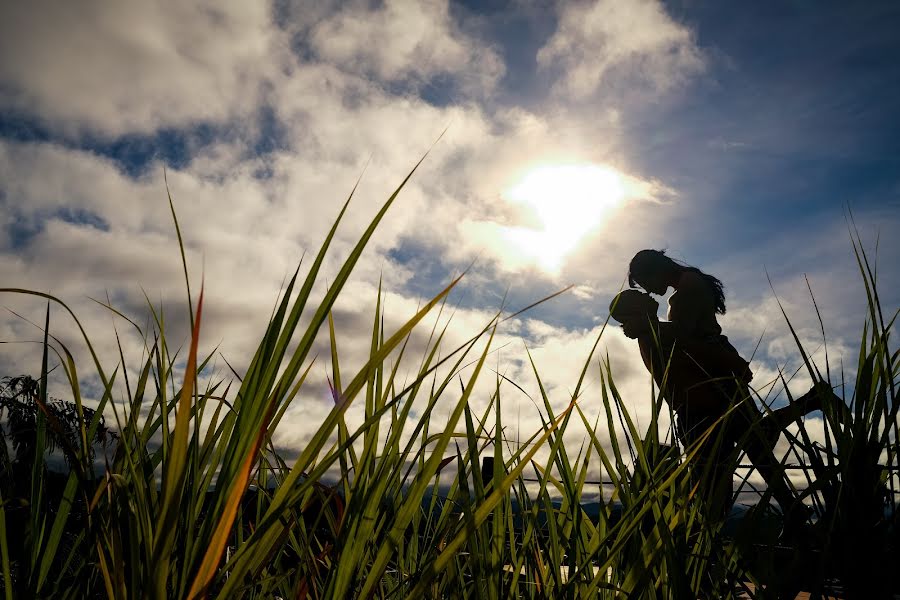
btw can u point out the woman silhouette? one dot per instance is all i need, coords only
(705, 374)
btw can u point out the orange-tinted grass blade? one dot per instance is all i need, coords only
(173, 476)
(213, 555)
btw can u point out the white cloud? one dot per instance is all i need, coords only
(600, 44)
(121, 67)
(116, 69)
(245, 251)
(248, 249)
(403, 39)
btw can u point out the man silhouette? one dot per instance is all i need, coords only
(707, 385)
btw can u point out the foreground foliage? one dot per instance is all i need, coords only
(195, 501)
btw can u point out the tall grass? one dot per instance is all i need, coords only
(196, 501)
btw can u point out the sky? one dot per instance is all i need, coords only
(562, 137)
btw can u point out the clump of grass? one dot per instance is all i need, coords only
(197, 502)
(852, 484)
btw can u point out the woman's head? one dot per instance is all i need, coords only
(652, 270)
(655, 272)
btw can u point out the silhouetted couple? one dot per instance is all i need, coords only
(702, 376)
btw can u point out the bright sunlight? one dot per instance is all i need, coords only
(568, 201)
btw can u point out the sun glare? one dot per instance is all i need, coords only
(567, 201)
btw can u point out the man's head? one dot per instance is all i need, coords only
(633, 304)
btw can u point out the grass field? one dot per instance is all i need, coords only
(196, 501)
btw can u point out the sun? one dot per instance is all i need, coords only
(566, 201)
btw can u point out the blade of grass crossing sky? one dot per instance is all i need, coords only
(174, 472)
(287, 331)
(388, 471)
(255, 395)
(97, 365)
(373, 475)
(484, 509)
(416, 490)
(373, 393)
(325, 306)
(216, 548)
(270, 527)
(37, 516)
(337, 394)
(388, 478)
(660, 533)
(187, 279)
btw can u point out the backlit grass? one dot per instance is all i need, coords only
(197, 502)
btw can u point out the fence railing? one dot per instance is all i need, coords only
(788, 467)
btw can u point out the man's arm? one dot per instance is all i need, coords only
(655, 342)
(683, 381)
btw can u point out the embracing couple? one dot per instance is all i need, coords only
(702, 376)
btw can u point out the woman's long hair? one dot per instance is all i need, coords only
(652, 261)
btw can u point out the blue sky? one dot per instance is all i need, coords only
(740, 135)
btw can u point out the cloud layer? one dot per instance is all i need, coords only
(608, 44)
(275, 112)
(134, 66)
